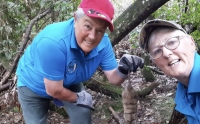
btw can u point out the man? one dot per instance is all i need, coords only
(65, 54)
(173, 51)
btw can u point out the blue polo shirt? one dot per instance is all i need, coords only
(55, 55)
(188, 98)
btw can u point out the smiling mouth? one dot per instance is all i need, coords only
(174, 62)
(88, 42)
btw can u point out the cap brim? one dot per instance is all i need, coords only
(150, 26)
(101, 16)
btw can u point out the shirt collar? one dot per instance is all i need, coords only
(195, 76)
(193, 81)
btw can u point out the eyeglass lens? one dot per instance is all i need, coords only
(171, 44)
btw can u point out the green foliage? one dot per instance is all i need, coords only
(16, 109)
(147, 73)
(196, 36)
(133, 38)
(186, 14)
(112, 88)
(16, 16)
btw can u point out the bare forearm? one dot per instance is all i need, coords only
(56, 90)
(114, 77)
(116, 80)
(66, 95)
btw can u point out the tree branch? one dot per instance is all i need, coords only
(115, 115)
(132, 17)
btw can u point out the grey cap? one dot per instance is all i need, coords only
(150, 26)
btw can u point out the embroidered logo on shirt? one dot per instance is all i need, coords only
(71, 66)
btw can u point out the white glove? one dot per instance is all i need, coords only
(84, 99)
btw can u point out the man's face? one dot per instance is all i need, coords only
(89, 32)
(176, 63)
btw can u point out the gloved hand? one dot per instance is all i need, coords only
(129, 63)
(84, 99)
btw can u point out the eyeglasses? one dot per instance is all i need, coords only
(171, 44)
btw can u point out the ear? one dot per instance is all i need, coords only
(74, 17)
(192, 42)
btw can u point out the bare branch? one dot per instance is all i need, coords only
(115, 115)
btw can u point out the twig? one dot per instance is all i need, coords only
(115, 115)
(156, 71)
(4, 87)
(14, 82)
(146, 91)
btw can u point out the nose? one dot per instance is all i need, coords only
(166, 52)
(92, 34)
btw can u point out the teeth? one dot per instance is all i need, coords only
(88, 42)
(174, 62)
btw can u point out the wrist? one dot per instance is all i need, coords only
(122, 75)
(76, 98)
(123, 68)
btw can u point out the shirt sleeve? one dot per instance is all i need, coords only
(49, 59)
(108, 61)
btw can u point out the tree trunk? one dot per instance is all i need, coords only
(132, 17)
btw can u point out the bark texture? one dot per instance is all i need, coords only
(132, 17)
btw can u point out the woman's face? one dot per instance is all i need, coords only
(176, 63)
(89, 32)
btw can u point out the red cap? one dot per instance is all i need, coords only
(99, 9)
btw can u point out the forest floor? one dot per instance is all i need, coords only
(155, 108)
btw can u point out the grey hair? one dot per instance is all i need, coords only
(79, 13)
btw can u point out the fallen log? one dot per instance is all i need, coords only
(113, 91)
(103, 87)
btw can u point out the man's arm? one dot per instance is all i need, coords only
(114, 77)
(56, 90)
(128, 63)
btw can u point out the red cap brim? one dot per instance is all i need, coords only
(100, 15)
